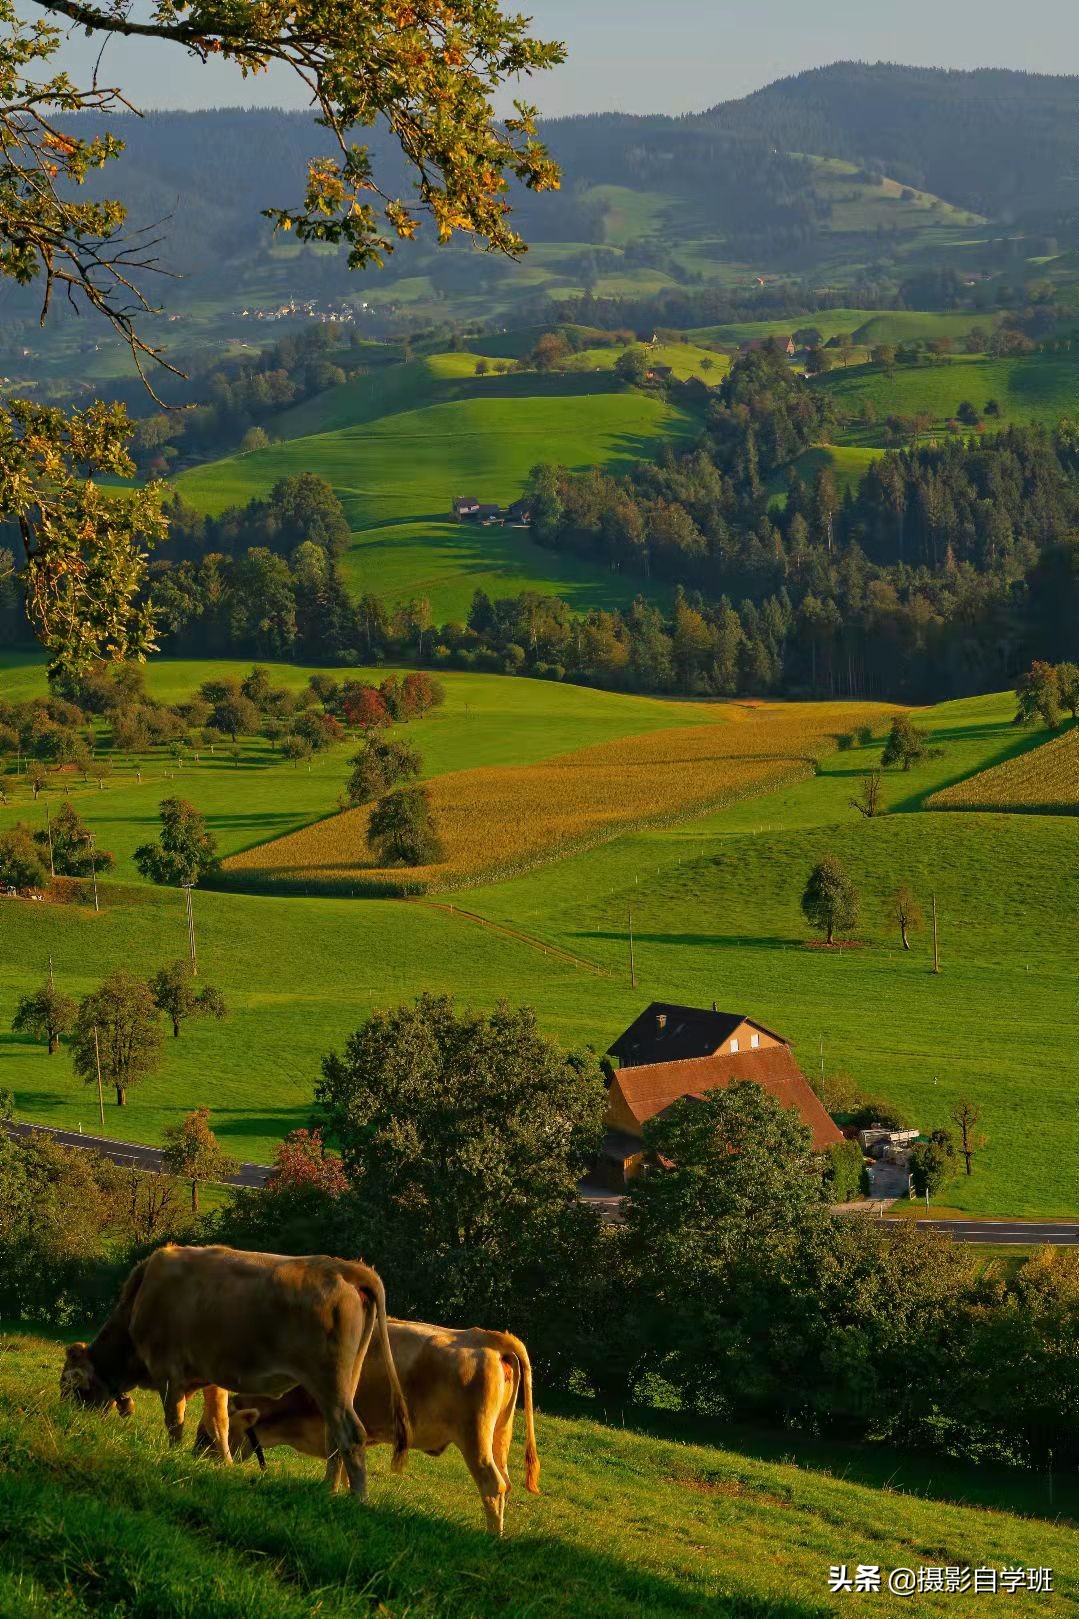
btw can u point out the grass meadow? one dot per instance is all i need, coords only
(401, 443)
(648, 1517)
(1029, 388)
(715, 906)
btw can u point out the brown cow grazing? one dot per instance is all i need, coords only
(461, 1387)
(209, 1318)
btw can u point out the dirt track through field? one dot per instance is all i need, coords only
(551, 950)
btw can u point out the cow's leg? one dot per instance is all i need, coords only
(175, 1406)
(346, 1439)
(489, 1481)
(215, 1418)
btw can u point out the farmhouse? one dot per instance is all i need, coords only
(671, 1052)
(786, 345)
(467, 509)
(659, 373)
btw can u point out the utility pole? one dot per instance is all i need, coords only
(52, 980)
(93, 867)
(48, 828)
(190, 929)
(100, 1098)
(632, 964)
(936, 938)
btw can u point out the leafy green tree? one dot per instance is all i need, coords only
(45, 1014)
(191, 1152)
(186, 851)
(7, 1103)
(968, 414)
(175, 992)
(56, 1208)
(1037, 696)
(843, 1177)
(932, 1164)
(906, 745)
(71, 856)
(235, 715)
(429, 77)
(1068, 686)
(21, 865)
(830, 900)
(464, 1136)
(632, 366)
(401, 829)
(296, 748)
(732, 1196)
(128, 1030)
(380, 764)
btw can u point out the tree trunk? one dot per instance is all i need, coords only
(194, 1197)
(175, 1029)
(903, 931)
(831, 939)
(54, 1044)
(121, 1096)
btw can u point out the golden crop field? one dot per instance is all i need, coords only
(498, 821)
(1045, 780)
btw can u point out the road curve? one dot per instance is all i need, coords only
(131, 1154)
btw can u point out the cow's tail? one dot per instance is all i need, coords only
(532, 1461)
(402, 1428)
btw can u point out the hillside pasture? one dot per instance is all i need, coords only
(1044, 781)
(501, 821)
(397, 473)
(716, 913)
(1029, 388)
(642, 1519)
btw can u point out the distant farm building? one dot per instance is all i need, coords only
(673, 1052)
(466, 509)
(786, 345)
(659, 373)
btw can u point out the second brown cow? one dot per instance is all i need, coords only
(461, 1387)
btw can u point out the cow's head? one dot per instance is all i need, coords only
(243, 1435)
(80, 1380)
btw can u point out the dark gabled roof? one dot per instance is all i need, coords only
(687, 1032)
(465, 500)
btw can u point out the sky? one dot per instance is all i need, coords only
(670, 55)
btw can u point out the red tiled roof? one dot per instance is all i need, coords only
(651, 1087)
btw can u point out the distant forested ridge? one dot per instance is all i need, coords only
(997, 141)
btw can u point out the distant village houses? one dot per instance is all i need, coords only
(673, 1052)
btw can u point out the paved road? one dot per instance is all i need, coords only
(1054, 1233)
(132, 1153)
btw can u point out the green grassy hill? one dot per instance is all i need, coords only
(716, 914)
(1029, 388)
(399, 445)
(97, 1516)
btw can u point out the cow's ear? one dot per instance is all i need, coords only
(125, 1405)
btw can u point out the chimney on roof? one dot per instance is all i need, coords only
(661, 1020)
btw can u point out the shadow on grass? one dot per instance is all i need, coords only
(878, 1466)
(238, 1124)
(205, 1543)
(711, 941)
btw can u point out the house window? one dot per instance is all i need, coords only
(734, 1045)
(754, 1040)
